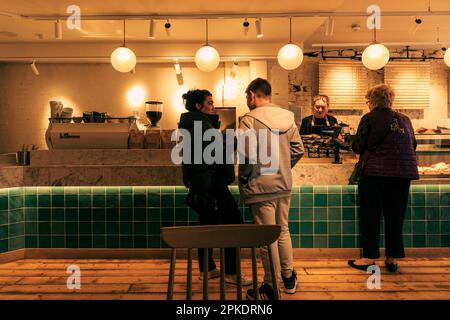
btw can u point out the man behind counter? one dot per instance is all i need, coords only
(319, 117)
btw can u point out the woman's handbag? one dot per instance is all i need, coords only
(356, 175)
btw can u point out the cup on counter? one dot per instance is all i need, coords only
(23, 158)
(56, 109)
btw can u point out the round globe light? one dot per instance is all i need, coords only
(375, 56)
(447, 57)
(290, 57)
(207, 59)
(123, 59)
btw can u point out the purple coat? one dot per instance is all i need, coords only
(386, 143)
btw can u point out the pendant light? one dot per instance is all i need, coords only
(123, 59)
(375, 56)
(207, 58)
(290, 57)
(447, 57)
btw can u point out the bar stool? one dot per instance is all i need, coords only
(220, 236)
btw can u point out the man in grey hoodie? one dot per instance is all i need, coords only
(267, 190)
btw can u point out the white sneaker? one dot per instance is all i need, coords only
(232, 279)
(211, 275)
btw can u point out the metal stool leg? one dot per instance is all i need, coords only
(172, 274)
(272, 272)
(222, 274)
(189, 276)
(238, 273)
(255, 275)
(205, 274)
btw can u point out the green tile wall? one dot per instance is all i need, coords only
(131, 217)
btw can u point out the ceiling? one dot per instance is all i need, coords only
(309, 30)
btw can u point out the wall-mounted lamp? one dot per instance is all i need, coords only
(151, 31)
(58, 30)
(259, 29)
(34, 68)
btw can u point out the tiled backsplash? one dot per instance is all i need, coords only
(131, 217)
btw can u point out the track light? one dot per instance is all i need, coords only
(34, 68)
(415, 26)
(177, 67)
(447, 57)
(58, 29)
(151, 31)
(168, 26)
(246, 26)
(329, 26)
(234, 70)
(259, 30)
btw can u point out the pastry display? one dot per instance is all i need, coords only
(438, 168)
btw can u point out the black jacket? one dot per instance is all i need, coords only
(204, 176)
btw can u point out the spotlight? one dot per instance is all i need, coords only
(259, 31)
(246, 26)
(168, 26)
(234, 70)
(34, 68)
(416, 26)
(177, 67)
(329, 27)
(58, 29)
(151, 31)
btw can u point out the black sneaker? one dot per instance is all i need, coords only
(290, 284)
(265, 293)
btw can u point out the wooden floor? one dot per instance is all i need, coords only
(147, 279)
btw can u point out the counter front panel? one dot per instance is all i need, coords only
(131, 217)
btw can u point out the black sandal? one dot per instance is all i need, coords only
(362, 267)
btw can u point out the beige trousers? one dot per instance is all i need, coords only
(276, 212)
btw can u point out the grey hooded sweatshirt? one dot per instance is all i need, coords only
(262, 180)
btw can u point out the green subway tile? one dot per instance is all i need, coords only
(168, 214)
(85, 228)
(139, 228)
(432, 199)
(182, 214)
(419, 241)
(71, 214)
(445, 213)
(320, 214)
(168, 190)
(418, 227)
(306, 228)
(71, 191)
(320, 228)
(348, 200)
(4, 234)
(31, 242)
(126, 214)
(432, 188)
(112, 190)
(418, 188)
(31, 200)
(14, 192)
(334, 189)
(306, 214)
(154, 214)
(71, 201)
(72, 242)
(3, 246)
(126, 200)
(45, 242)
(433, 241)
(294, 214)
(126, 190)
(99, 201)
(4, 217)
(16, 216)
(58, 201)
(99, 191)
(139, 214)
(295, 201)
(85, 214)
(113, 242)
(99, 214)
(87, 191)
(167, 201)
(334, 242)
(85, 201)
(98, 228)
(334, 200)
(193, 216)
(139, 200)
(320, 242)
(408, 213)
(16, 243)
(154, 200)
(294, 227)
(306, 200)
(295, 241)
(407, 227)
(445, 240)
(31, 228)
(418, 213)
(126, 242)
(433, 227)
(71, 228)
(334, 214)
(112, 214)
(154, 242)
(99, 242)
(43, 191)
(418, 200)
(4, 202)
(57, 190)
(445, 227)
(445, 199)
(153, 228)
(85, 241)
(58, 228)
(306, 242)
(320, 200)
(44, 228)
(140, 190)
(58, 242)
(348, 227)
(16, 202)
(306, 189)
(184, 191)
(126, 228)
(180, 201)
(58, 214)
(320, 189)
(334, 228)
(112, 228)
(112, 201)
(44, 201)
(349, 242)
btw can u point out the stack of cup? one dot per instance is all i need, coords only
(66, 115)
(56, 108)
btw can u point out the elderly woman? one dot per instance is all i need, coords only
(320, 116)
(386, 144)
